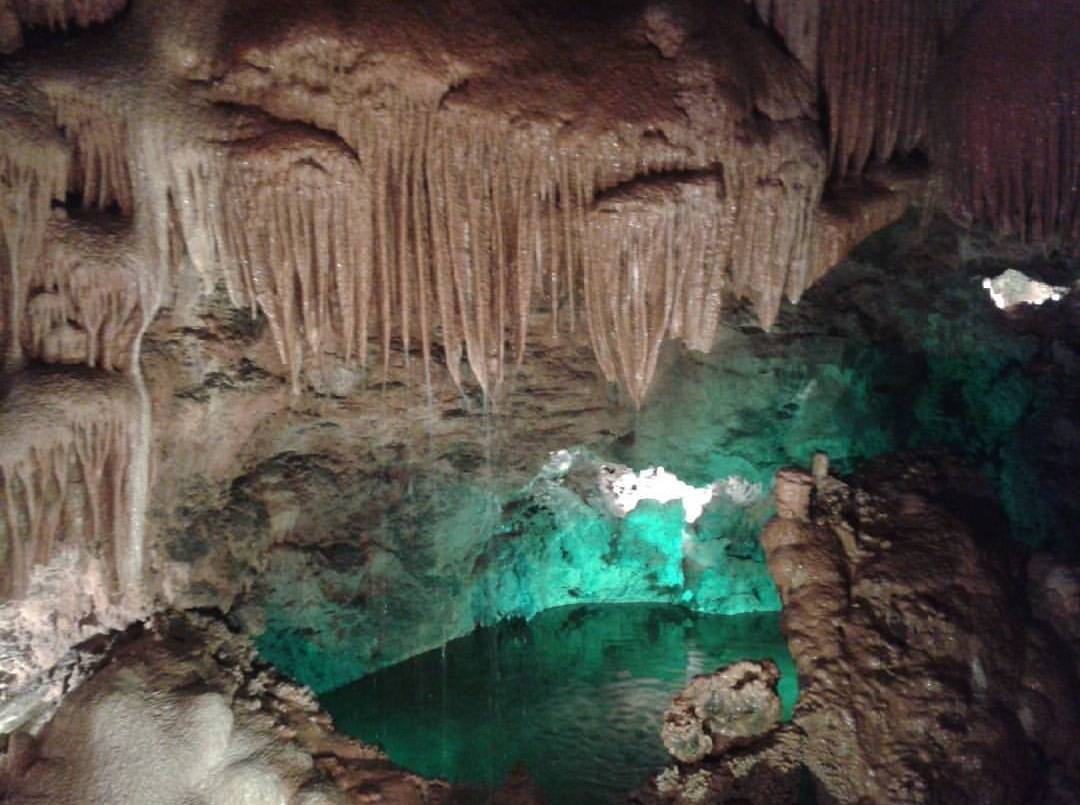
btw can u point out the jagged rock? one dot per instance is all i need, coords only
(730, 707)
(918, 668)
(918, 671)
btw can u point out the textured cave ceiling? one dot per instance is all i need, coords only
(444, 196)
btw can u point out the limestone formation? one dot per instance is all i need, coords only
(182, 711)
(918, 667)
(272, 272)
(728, 708)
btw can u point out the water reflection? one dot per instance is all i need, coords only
(576, 695)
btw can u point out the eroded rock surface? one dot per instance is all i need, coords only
(727, 708)
(920, 669)
(182, 712)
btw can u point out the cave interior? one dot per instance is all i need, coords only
(528, 401)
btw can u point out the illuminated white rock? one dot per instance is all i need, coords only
(1011, 288)
(655, 483)
(623, 489)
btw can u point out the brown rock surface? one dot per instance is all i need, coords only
(182, 709)
(415, 218)
(919, 668)
(728, 708)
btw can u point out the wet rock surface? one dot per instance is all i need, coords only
(920, 667)
(728, 708)
(181, 710)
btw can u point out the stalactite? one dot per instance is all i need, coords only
(1008, 131)
(873, 60)
(99, 173)
(643, 242)
(64, 477)
(83, 297)
(33, 172)
(411, 222)
(58, 13)
(297, 220)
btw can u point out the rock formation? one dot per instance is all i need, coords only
(181, 710)
(1012, 147)
(258, 256)
(919, 669)
(728, 708)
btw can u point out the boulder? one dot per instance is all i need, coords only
(731, 707)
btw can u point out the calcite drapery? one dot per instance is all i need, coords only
(874, 61)
(50, 13)
(1009, 133)
(64, 463)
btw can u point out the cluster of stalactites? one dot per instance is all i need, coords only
(1008, 133)
(874, 61)
(52, 14)
(429, 230)
(425, 231)
(657, 258)
(63, 477)
(31, 178)
(59, 13)
(417, 229)
(71, 287)
(83, 298)
(663, 252)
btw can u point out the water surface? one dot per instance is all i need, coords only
(576, 695)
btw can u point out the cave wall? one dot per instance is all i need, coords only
(415, 245)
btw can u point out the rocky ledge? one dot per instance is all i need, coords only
(935, 660)
(179, 710)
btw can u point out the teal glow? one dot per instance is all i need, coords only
(576, 695)
(548, 546)
(881, 356)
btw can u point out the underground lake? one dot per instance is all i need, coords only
(574, 697)
(539, 402)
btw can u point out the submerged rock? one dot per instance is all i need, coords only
(728, 708)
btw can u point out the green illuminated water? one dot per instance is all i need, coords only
(576, 695)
